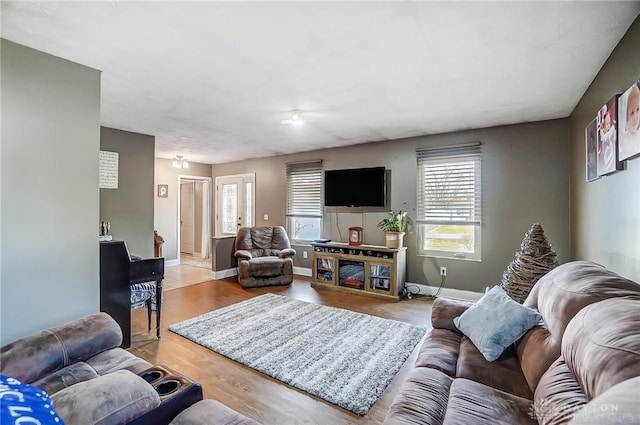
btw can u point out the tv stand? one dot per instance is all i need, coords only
(370, 270)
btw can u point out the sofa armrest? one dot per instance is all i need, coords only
(287, 252)
(243, 254)
(33, 357)
(114, 398)
(444, 310)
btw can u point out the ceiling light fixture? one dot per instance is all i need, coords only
(295, 120)
(180, 162)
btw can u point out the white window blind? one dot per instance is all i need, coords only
(449, 185)
(449, 204)
(304, 200)
(304, 189)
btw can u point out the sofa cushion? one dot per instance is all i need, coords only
(618, 405)
(207, 412)
(444, 310)
(502, 374)
(115, 398)
(474, 403)
(440, 350)
(495, 322)
(117, 359)
(601, 345)
(558, 395)
(266, 266)
(559, 296)
(65, 377)
(422, 399)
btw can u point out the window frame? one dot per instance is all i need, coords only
(311, 207)
(468, 211)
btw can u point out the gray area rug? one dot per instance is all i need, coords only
(343, 357)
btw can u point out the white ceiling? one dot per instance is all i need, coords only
(213, 80)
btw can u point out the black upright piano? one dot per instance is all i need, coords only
(118, 271)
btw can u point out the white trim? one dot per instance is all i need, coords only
(221, 274)
(302, 271)
(457, 294)
(175, 262)
(204, 179)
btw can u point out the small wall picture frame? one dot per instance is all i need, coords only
(591, 137)
(629, 118)
(607, 120)
(163, 190)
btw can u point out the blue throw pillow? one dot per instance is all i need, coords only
(25, 404)
(495, 322)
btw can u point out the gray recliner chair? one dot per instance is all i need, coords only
(264, 256)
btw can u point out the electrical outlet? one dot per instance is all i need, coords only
(443, 271)
(304, 254)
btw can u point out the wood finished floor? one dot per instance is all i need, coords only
(245, 390)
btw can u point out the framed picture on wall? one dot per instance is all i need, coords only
(591, 142)
(163, 190)
(629, 118)
(608, 137)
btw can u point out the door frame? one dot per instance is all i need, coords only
(188, 178)
(192, 183)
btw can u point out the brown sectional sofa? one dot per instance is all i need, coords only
(580, 366)
(92, 381)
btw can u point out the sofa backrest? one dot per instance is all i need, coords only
(33, 357)
(559, 296)
(262, 241)
(600, 349)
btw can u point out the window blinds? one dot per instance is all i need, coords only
(304, 189)
(449, 185)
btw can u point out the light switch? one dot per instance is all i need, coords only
(265, 217)
(304, 254)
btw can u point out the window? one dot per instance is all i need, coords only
(449, 202)
(304, 200)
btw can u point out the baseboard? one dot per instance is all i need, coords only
(457, 294)
(302, 271)
(172, 262)
(221, 274)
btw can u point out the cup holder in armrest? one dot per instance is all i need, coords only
(167, 382)
(166, 387)
(151, 375)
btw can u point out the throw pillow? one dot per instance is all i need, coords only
(25, 404)
(495, 322)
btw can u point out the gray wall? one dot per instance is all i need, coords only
(166, 209)
(129, 208)
(525, 180)
(49, 176)
(605, 214)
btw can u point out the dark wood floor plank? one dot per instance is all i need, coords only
(252, 393)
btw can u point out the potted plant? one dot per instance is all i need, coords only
(394, 225)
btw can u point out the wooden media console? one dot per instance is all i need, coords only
(369, 270)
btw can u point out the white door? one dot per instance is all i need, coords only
(187, 199)
(234, 203)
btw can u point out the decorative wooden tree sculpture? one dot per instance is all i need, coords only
(534, 259)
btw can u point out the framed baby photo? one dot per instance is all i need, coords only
(591, 142)
(629, 119)
(607, 136)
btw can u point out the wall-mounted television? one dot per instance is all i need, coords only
(357, 187)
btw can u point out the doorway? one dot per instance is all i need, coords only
(194, 221)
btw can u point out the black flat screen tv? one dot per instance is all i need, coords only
(357, 187)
